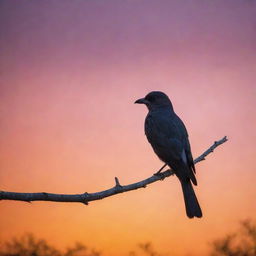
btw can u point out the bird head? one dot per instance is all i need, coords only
(155, 100)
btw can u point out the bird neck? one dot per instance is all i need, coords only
(160, 108)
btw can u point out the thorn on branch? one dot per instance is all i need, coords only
(85, 194)
(45, 195)
(84, 201)
(117, 182)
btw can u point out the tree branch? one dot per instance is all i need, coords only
(87, 197)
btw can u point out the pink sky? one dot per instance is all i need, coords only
(70, 72)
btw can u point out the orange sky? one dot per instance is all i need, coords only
(70, 72)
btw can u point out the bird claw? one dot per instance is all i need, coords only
(157, 173)
(160, 170)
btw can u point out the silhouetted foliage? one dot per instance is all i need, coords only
(242, 243)
(146, 249)
(28, 245)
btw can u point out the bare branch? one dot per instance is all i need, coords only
(87, 197)
(210, 149)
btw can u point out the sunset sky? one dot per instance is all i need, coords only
(70, 72)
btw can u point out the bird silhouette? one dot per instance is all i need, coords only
(168, 137)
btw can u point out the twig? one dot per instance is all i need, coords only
(210, 150)
(87, 197)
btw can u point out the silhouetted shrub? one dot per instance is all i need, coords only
(28, 245)
(242, 243)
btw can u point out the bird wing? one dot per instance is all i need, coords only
(186, 143)
(169, 138)
(187, 148)
(189, 156)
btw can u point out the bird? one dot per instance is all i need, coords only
(168, 137)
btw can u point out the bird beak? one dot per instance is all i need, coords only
(141, 101)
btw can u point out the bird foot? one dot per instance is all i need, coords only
(160, 170)
(158, 173)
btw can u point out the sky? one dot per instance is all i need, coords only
(70, 72)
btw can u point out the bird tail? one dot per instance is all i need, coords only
(192, 206)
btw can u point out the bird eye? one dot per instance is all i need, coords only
(150, 98)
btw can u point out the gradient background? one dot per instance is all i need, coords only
(70, 72)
